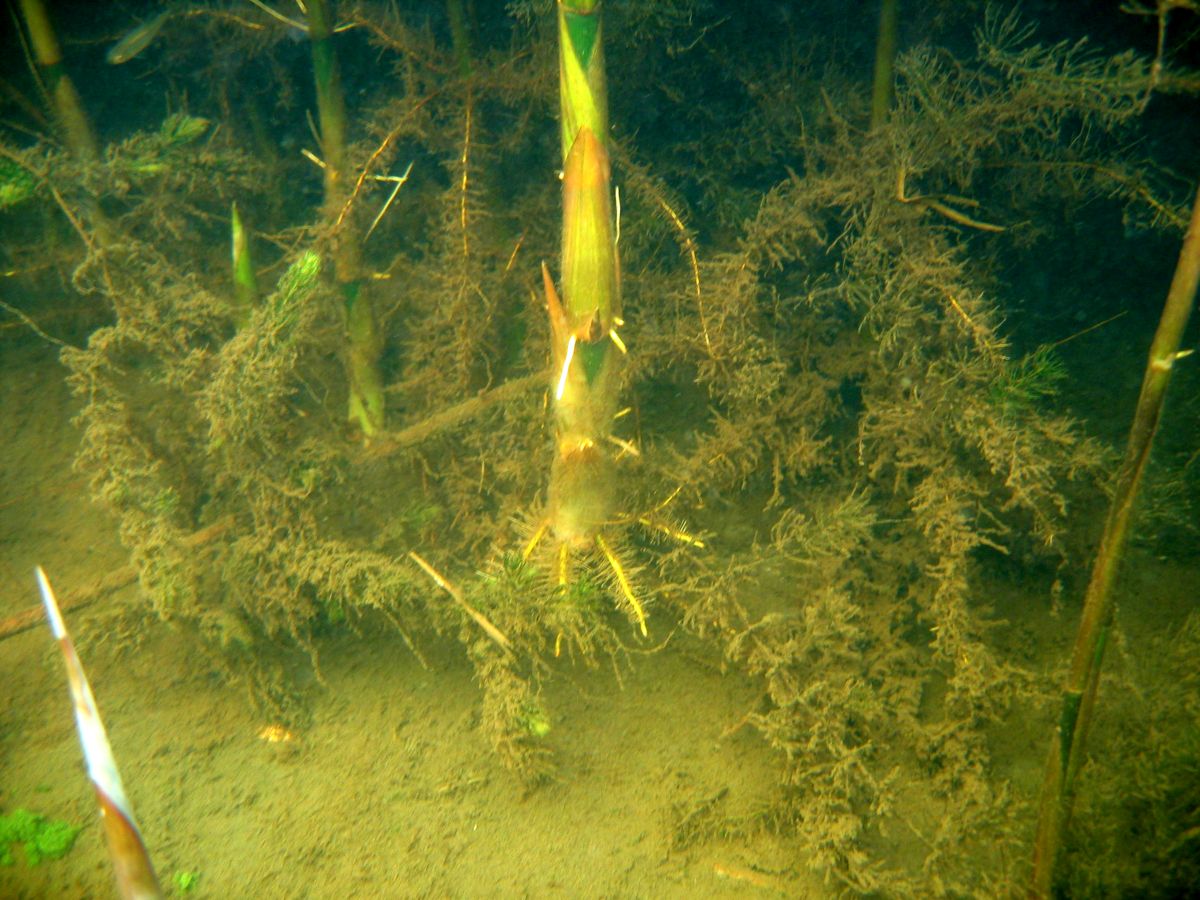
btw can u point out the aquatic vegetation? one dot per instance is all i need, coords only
(39, 837)
(1027, 381)
(784, 318)
(185, 882)
(16, 184)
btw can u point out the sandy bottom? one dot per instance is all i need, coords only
(390, 791)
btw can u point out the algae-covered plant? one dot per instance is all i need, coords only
(761, 369)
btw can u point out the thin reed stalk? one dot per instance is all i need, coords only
(1079, 694)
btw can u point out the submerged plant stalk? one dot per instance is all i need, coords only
(364, 344)
(131, 863)
(882, 88)
(1079, 693)
(586, 347)
(81, 137)
(245, 283)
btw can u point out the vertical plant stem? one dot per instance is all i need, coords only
(68, 106)
(245, 283)
(460, 36)
(587, 350)
(1079, 693)
(364, 344)
(882, 89)
(582, 86)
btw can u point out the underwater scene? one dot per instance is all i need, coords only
(563, 448)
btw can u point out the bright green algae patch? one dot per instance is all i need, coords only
(42, 838)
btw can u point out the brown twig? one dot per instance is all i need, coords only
(76, 599)
(366, 169)
(479, 618)
(387, 443)
(934, 202)
(100, 587)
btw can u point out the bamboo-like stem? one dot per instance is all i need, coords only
(245, 283)
(882, 89)
(68, 106)
(1079, 693)
(131, 863)
(364, 344)
(582, 85)
(587, 350)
